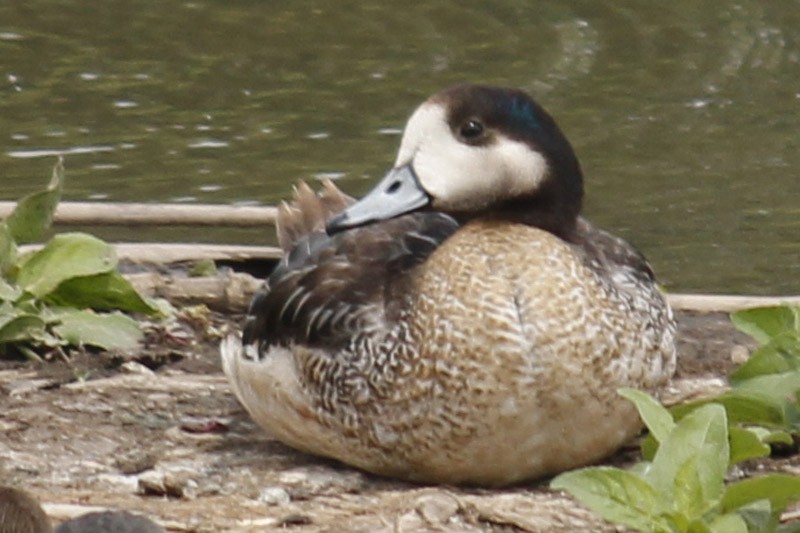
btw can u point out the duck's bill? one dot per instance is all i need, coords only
(399, 192)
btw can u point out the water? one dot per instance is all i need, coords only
(685, 115)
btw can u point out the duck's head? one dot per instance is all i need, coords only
(473, 151)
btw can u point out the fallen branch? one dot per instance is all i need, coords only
(140, 214)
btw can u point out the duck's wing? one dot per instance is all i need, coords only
(623, 263)
(328, 288)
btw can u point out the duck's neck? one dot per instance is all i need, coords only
(552, 208)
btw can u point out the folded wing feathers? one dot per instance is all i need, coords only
(327, 289)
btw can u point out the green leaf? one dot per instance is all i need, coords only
(728, 523)
(104, 291)
(113, 331)
(764, 323)
(780, 354)
(782, 390)
(696, 526)
(701, 437)
(774, 436)
(8, 292)
(33, 214)
(20, 327)
(8, 250)
(746, 444)
(690, 497)
(742, 405)
(66, 256)
(616, 495)
(758, 516)
(655, 416)
(779, 489)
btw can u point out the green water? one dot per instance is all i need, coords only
(685, 115)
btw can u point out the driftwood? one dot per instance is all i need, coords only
(140, 214)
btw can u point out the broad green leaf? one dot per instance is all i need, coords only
(34, 213)
(616, 495)
(728, 523)
(113, 331)
(689, 494)
(22, 327)
(777, 437)
(779, 489)
(66, 256)
(746, 444)
(8, 292)
(782, 390)
(654, 415)
(697, 526)
(649, 447)
(106, 291)
(742, 406)
(764, 323)
(699, 482)
(703, 435)
(8, 250)
(780, 354)
(776, 388)
(758, 515)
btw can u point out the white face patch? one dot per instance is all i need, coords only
(461, 177)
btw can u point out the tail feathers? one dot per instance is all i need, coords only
(308, 211)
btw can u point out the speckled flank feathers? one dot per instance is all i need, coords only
(483, 346)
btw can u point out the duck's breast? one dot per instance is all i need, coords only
(526, 346)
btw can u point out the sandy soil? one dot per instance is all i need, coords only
(160, 433)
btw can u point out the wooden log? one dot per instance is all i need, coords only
(727, 303)
(140, 214)
(166, 253)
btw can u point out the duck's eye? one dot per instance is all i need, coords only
(471, 129)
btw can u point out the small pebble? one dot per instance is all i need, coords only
(437, 508)
(203, 425)
(134, 367)
(172, 484)
(274, 496)
(136, 461)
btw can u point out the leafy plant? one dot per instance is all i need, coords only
(66, 293)
(680, 486)
(683, 488)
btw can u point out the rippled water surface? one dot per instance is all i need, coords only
(685, 115)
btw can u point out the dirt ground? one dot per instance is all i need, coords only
(160, 433)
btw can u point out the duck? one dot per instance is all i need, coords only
(462, 323)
